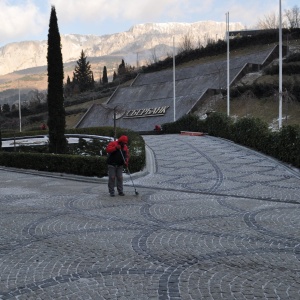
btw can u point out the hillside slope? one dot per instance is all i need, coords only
(243, 105)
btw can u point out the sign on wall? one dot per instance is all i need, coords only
(146, 112)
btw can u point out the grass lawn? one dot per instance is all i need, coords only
(266, 109)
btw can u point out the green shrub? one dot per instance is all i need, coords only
(272, 142)
(293, 57)
(137, 153)
(219, 124)
(264, 89)
(258, 89)
(188, 122)
(289, 145)
(251, 132)
(61, 163)
(11, 134)
(296, 90)
(287, 69)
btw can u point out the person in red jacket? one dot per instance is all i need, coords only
(118, 157)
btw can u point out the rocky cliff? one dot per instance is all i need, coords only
(141, 43)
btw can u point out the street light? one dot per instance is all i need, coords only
(20, 117)
(228, 74)
(174, 83)
(280, 67)
(116, 117)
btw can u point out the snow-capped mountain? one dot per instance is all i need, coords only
(143, 42)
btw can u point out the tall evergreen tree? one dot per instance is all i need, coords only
(68, 80)
(55, 97)
(68, 87)
(93, 81)
(104, 77)
(74, 78)
(122, 68)
(5, 108)
(83, 73)
(114, 76)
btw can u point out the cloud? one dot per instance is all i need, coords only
(122, 10)
(19, 20)
(29, 19)
(250, 11)
(107, 12)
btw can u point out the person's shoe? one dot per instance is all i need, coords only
(121, 194)
(112, 194)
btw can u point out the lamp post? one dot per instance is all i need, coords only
(228, 74)
(115, 122)
(280, 68)
(118, 113)
(20, 117)
(174, 85)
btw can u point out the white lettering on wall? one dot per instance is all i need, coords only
(146, 112)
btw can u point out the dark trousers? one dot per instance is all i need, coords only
(115, 175)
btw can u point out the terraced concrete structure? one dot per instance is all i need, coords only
(149, 100)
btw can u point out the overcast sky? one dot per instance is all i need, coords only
(22, 20)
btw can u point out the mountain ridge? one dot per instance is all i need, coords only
(142, 40)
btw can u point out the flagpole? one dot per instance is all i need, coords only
(228, 74)
(174, 91)
(280, 67)
(20, 118)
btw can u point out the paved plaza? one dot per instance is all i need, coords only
(212, 220)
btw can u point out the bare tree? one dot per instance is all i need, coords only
(199, 43)
(270, 21)
(186, 44)
(206, 38)
(37, 98)
(153, 57)
(293, 17)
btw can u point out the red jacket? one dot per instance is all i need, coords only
(114, 154)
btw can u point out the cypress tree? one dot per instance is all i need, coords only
(55, 98)
(104, 77)
(68, 87)
(122, 68)
(114, 76)
(68, 80)
(93, 81)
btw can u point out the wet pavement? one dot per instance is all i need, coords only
(212, 220)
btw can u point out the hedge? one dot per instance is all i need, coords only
(288, 148)
(76, 164)
(218, 124)
(251, 132)
(186, 123)
(61, 163)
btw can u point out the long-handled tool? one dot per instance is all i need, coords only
(128, 172)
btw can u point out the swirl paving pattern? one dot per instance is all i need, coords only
(214, 220)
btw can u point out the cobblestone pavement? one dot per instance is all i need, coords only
(213, 220)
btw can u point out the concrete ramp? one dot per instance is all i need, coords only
(149, 101)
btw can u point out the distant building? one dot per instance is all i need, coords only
(253, 32)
